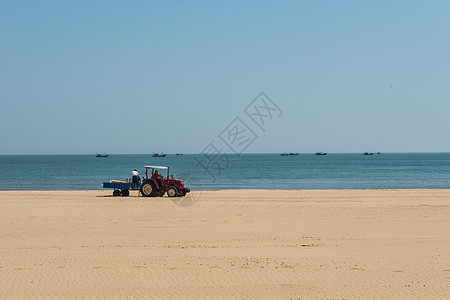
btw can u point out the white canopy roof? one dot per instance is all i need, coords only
(156, 167)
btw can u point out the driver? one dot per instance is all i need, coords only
(157, 177)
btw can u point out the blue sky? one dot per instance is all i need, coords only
(350, 76)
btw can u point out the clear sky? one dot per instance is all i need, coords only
(141, 76)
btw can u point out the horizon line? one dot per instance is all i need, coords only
(229, 153)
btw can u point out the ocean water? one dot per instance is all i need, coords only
(248, 171)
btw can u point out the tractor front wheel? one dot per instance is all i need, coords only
(148, 189)
(172, 192)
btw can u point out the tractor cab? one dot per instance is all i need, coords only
(153, 186)
(150, 172)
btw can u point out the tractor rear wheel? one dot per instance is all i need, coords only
(172, 192)
(148, 189)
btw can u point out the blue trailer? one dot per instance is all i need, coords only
(120, 188)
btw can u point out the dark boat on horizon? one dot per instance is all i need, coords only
(159, 154)
(101, 155)
(292, 153)
(320, 153)
(368, 153)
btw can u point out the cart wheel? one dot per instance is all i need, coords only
(125, 193)
(116, 193)
(172, 192)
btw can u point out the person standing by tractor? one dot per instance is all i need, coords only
(135, 179)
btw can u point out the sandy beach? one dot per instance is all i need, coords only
(340, 244)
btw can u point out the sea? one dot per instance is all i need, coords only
(231, 171)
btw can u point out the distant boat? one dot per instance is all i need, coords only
(292, 153)
(179, 154)
(320, 153)
(284, 154)
(368, 153)
(159, 154)
(101, 155)
(378, 152)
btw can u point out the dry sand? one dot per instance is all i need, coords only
(369, 244)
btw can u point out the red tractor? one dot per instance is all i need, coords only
(156, 185)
